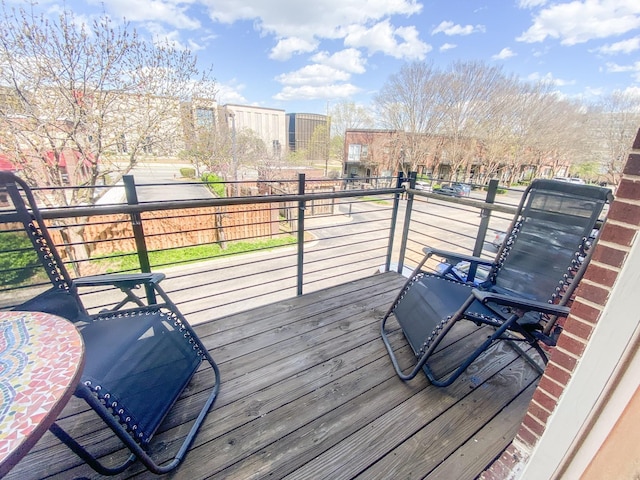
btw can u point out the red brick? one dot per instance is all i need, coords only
(628, 189)
(571, 345)
(601, 275)
(542, 398)
(632, 167)
(540, 413)
(497, 471)
(610, 256)
(558, 374)
(513, 453)
(578, 328)
(564, 360)
(552, 388)
(527, 437)
(593, 293)
(584, 312)
(636, 143)
(618, 234)
(625, 212)
(532, 424)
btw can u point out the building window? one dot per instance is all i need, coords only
(355, 150)
(277, 148)
(205, 117)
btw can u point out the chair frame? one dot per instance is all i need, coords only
(507, 329)
(34, 224)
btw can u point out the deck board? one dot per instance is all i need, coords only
(308, 391)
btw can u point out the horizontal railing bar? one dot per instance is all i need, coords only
(52, 213)
(466, 201)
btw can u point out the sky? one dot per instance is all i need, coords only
(306, 56)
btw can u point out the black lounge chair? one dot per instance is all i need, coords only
(137, 360)
(529, 284)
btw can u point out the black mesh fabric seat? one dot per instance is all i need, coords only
(536, 270)
(137, 360)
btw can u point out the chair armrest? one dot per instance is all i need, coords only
(457, 256)
(521, 303)
(120, 280)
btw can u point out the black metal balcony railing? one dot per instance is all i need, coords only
(292, 243)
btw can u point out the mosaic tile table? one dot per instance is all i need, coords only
(41, 358)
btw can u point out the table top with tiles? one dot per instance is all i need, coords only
(41, 359)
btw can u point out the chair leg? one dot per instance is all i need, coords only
(476, 353)
(438, 334)
(89, 459)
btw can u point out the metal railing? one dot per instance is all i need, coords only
(357, 232)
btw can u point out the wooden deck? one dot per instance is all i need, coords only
(308, 391)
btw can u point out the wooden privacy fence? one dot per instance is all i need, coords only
(106, 234)
(183, 228)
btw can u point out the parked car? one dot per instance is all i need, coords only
(424, 186)
(449, 191)
(464, 188)
(575, 180)
(455, 190)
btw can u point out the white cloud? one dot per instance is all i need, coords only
(328, 77)
(531, 3)
(310, 92)
(348, 60)
(382, 37)
(286, 18)
(297, 27)
(548, 78)
(633, 91)
(171, 12)
(230, 93)
(615, 68)
(286, 47)
(315, 74)
(504, 54)
(580, 21)
(449, 28)
(624, 46)
(447, 46)
(173, 38)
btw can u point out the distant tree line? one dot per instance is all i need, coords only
(472, 112)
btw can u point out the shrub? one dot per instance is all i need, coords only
(214, 183)
(188, 172)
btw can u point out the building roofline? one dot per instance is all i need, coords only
(252, 106)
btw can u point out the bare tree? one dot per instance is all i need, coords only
(469, 93)
(87, 91)
(614, 122)
(410, 103)
(74, 94)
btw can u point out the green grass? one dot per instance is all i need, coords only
(382, 201)
(124, 261)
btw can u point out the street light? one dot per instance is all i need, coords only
(234, 160)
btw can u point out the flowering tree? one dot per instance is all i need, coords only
(74, 96)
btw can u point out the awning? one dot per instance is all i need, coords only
(6, 164)
(50, 158)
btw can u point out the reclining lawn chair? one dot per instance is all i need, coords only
(536, 270)
(137, 360)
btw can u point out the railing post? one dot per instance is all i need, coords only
(138, 232)
(301, 208)
(394, 220)
(407, 222)
(485, 215)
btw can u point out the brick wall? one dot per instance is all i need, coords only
(618, 234)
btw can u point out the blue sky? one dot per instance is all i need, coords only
(304, 56)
